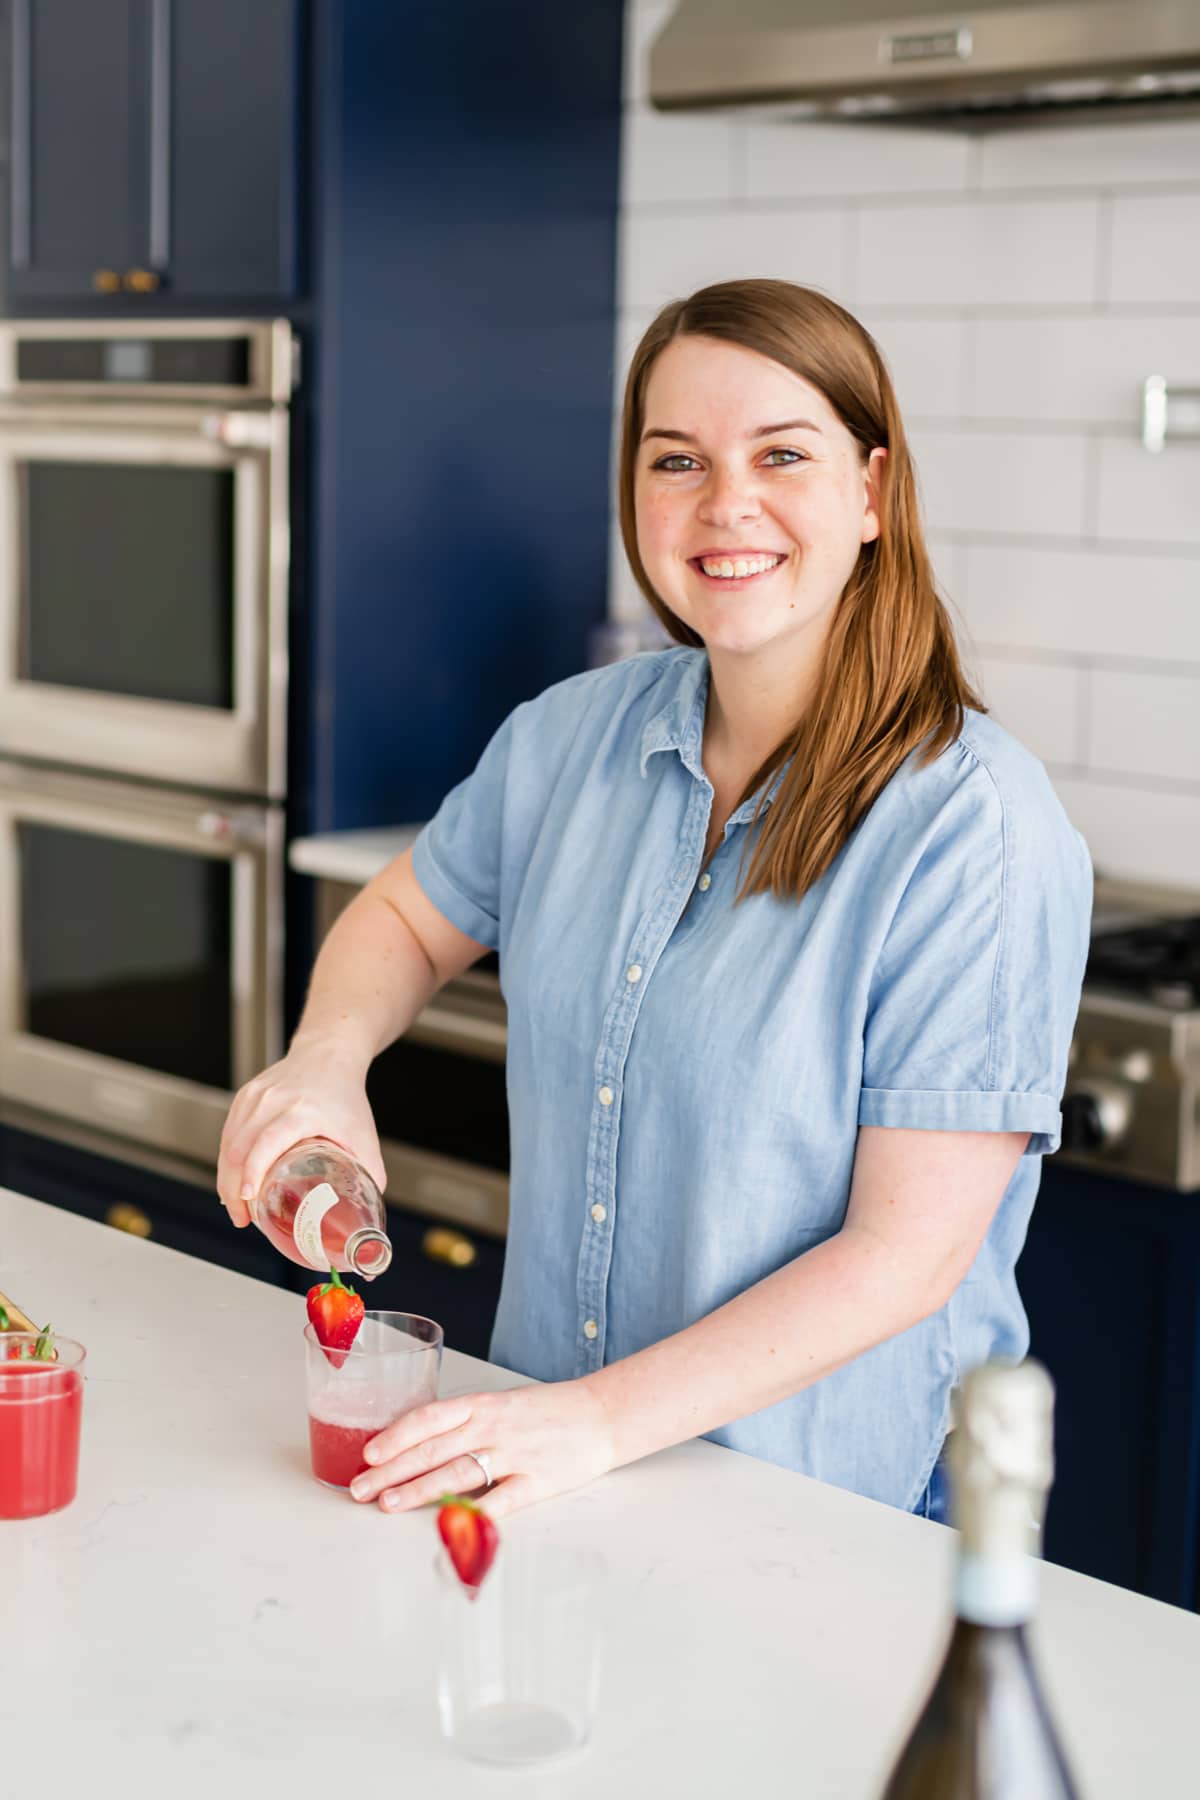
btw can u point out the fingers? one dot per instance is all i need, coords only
(397, 1493)
(508, 1497)
(423, 1424)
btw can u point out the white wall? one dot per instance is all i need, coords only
(1022, 285)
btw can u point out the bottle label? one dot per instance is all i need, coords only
(996, 1590)
(306, 1226)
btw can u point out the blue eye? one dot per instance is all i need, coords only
(671, 463)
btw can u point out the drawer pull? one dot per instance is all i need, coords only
(450, 1247)
(124, 1217)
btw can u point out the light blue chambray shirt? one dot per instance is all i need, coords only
(686, 1079)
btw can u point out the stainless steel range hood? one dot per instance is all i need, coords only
(986, 62)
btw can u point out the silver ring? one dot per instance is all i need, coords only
(481, 1457)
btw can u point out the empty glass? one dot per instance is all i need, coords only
(519, 1660)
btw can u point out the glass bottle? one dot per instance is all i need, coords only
(985, 1732)
(321, 1208)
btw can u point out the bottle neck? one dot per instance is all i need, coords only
(998, 1589)
(369, 1252)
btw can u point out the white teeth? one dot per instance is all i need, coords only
(737, 571)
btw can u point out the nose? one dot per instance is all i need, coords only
(728, 498)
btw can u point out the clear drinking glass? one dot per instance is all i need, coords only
(519, 1658)
(41, 1406)
(392, 1366)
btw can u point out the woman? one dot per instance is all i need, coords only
(791, 937)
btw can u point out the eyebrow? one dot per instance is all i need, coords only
(685, 437)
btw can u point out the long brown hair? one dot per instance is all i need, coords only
(890, 679)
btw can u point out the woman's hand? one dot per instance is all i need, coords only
(318, 1090)
(539, 1441)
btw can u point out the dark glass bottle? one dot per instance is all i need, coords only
(985, 1732)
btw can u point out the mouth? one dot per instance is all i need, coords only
(734, 568)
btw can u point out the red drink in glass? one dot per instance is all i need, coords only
(41, 1405)
(337, 1450)
(354, 1394)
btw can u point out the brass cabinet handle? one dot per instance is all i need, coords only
(142, 281)
(450, 1247)
(124, 1217)
(106, 281)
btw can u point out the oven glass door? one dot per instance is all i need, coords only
(140, 953)
(143, 592)
(127, 579)
(127, 950)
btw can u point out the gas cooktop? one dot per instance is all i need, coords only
(1158, 960)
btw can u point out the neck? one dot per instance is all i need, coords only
(750, 711)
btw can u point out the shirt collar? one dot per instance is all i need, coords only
(679, 722)
(679, 725)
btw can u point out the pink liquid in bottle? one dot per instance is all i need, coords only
(321, 1209)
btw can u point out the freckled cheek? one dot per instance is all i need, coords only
(658, 530)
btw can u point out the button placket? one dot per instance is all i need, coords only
(651, 935)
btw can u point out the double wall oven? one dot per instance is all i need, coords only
(144, 581)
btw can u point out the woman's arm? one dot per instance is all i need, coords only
(383, 960)
(920, 1206)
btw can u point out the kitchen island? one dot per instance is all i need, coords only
(206, 1619)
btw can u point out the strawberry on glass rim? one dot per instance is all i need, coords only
(336, 1312)
(470, 1537)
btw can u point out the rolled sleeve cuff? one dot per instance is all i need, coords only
(920, 1109)
(450, 901)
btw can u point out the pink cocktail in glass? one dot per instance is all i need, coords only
(41, 1406)
(391, 1367)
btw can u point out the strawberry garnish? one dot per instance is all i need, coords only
(470, 1537)
(336, 1312)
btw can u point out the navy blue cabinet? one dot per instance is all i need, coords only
(153, 153)
(1110, 1277)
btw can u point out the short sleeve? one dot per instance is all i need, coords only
(457, 858)
(975, 993)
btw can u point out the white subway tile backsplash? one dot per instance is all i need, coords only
(1150, 499)
(925, 357)
(1088, 369)
(1111, 155)
(791, 159)
(667, 254)
(1155, 251)
(1040, 703)
(1083, 602)
(997, 481)
(1136, 833)
(1145, 724)
(676, 157)
(973, 252)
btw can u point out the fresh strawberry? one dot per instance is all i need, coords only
(470, 1537)
(336, 1312)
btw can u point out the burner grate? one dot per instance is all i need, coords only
(1160, 960)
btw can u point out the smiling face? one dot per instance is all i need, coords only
(752, 501)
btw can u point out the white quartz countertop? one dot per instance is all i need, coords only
(205, 1619)
(354, 856)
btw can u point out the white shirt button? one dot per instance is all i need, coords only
(705, 882)
(605, 1096)
(633, 972)
(599, 1213)
(591, 1329)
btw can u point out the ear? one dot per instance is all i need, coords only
(873, 484)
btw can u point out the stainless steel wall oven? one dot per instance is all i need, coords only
(144, 596)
